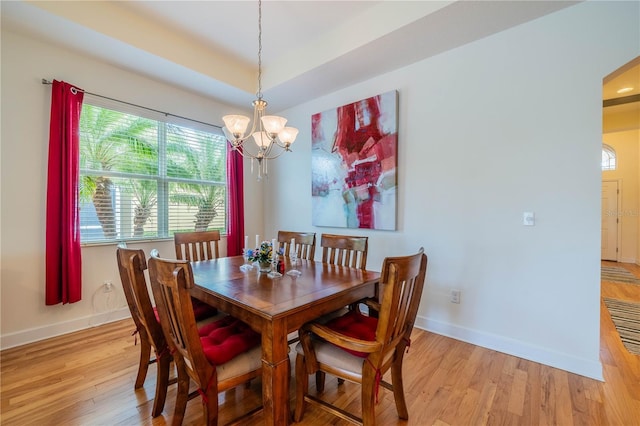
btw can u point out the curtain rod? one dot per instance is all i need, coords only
(45, 81)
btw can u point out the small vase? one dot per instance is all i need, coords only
(264, 266)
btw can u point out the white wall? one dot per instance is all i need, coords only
(25, 129)
(507, 124)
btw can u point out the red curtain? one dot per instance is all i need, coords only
(235, 186)
(63, 255)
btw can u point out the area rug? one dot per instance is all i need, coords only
(626, 318)
(618, 275)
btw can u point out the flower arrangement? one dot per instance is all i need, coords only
(262, 254)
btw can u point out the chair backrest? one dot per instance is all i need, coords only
(132, 264)
(306, 242)
(194, 246)
(170, 282)
(402, 281)
(344, 250)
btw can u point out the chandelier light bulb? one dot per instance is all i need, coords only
(236, 124)
(273, 124)
(288, 135)
(261, 139)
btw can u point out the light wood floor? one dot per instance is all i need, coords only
(86, 378)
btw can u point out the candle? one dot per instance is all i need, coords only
(273, 249)
(293, 245)
(246, 242)
(257, 240)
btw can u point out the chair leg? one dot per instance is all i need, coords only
(368, 390)
(302, 387)
(398, 388)
(162, 383)
(320, 376)
(182, 395)
(211, 406)
(143, 366)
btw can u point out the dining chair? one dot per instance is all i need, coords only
(344, 250)
(362, 348)
(132, 264)
(306, 242)
(198, 245)
(219, 356)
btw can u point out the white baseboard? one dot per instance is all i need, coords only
(513, 347)
(40, 333)
(516, 348)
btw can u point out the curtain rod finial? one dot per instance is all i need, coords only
(45, 81)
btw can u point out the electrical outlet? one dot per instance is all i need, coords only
(454, 296)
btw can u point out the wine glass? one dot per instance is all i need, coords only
(246, 266)
(293, 256)
(274, 269)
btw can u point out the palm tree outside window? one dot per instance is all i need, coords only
(147, 178)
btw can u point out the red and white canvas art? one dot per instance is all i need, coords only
(354, 162)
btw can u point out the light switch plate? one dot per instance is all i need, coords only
(528, 219)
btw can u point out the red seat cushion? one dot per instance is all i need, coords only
(226, 338)
(201, 310)
(354, 324)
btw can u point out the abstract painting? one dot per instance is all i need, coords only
(353, 164)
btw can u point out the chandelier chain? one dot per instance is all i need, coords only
(259, 94)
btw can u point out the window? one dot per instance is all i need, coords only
(608, 157)
(145, 178)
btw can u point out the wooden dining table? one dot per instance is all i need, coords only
(275, 307)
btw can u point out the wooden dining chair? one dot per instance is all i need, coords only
(344, 250)
(219, 356)
(195, 246)
(361, 348)
(306, 242)
(132, 264)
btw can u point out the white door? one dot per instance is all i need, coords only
(610, 220)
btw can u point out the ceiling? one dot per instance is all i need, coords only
(309, 47)
(626, 77)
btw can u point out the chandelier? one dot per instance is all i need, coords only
(269, 133)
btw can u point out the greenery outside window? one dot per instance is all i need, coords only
(147, 178)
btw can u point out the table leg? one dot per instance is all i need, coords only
(275, 375)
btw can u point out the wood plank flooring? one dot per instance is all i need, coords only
(86, 378)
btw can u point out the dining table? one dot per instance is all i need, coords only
(275, 307)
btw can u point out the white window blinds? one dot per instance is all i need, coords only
(146, 178)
